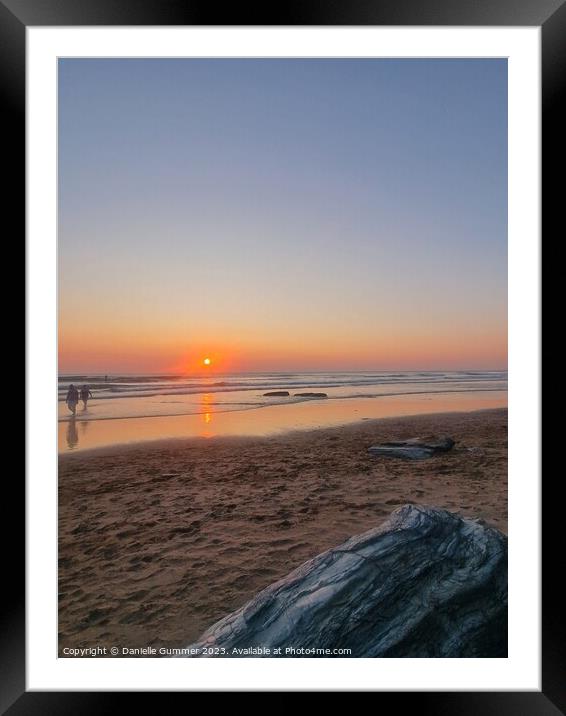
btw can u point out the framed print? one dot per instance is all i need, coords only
(283, 393)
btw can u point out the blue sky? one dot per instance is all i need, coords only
(362, 202)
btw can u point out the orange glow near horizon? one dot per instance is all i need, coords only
(151, 348)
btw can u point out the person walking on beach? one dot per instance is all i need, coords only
(86, 393)
(72, 399)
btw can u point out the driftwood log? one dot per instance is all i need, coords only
(427, 583)
(413, 449)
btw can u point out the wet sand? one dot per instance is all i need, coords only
(88, 432)
(159, 540)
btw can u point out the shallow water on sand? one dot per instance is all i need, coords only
(84, 433)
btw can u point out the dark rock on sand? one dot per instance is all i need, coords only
(427, 583)
(278, 393)
(414, 449)
(311, 395)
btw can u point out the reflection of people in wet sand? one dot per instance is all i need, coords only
(86, 393)
(72, 398)
(72, 434)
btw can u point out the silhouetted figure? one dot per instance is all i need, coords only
(72, 398)
(86, 393)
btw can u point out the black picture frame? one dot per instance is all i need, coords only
(550, 15)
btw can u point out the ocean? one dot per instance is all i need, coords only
(137, 396)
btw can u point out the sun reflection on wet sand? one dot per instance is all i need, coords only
(207, 414)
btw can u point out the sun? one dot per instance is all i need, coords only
(207, 361)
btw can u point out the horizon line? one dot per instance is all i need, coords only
(288, 371)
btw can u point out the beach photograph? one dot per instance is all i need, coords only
(282, 358)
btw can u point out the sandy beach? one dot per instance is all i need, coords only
(159, 540)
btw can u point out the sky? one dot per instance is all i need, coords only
(292, 214)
